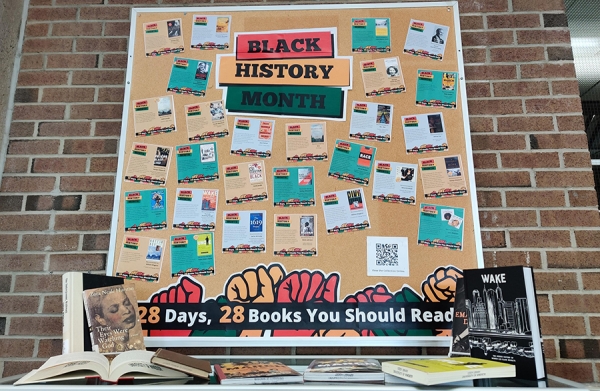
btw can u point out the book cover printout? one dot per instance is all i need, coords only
(443, 177)
(371, 35)
(395, 182)
(252, 137)
(189, 76)
(153, 116)
(211, 32)
(345, 211)
(140, 258)
(441, 226)
(245, 182)
(371, 121)
(382, 76)
(193, 254)
(352, 162)
(148, 163)
(295, 235)
(293, 186)
(112, 313)
(244, 232)
(206, 121)
(163, 37)
(436, 88)
(426, 39)
(306, 141)
(196, 209)
(145, 210)
(197, 163)
(424, 133)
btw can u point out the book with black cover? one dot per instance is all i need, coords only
(366, 370)
(460, 323)
(503, 318)
(76, 335)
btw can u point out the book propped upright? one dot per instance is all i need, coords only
(112, 314)
(460, 323)
(183, 363)
(132, 365)
(76, 335)
(256, 372)
(503, 318)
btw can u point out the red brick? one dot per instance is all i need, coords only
(72, 61)
(104, 13)
(26, 95)
(491, 142)
(104, 111)
(471, 22)
(110, 60)
(595, 325)
(546, 71)
(570, 122)
(549, 346)
(577, 159)
(16, 165)
(583, 198)
(487, 38)
(27, 184)
(94, 242)
(517, 54)
(555, 281)
(22, 262)
(63, 203)
(485, 160)
(564, 179)
(51, 347)
(82, 222)
(52, 305)
(481, 124)
(503, 179)
(97, 202)
(19, 304)
(76, 29)
(36, 326)
(496, 106)
(12, 348)
(560, 53)
(554, 105)
(36, 30)
(78, 2)
(507, 218)
(565, 87)
(489, 199)
(51, 13)
(90, 146)
(474, 55)
(560, 141)
(589, 239)
(98, 77)
(42, 242)
(32, 61)
(540, 238)
(490, 72)
(581, 372)
(576, 303)
(543, 304)
(543, 199)
(591, 281)
(132, 1)
(42, 78)
(530, 159)
(493, 239)
(68, 95)
(512, 21)
(38, 283)
(44, 45)
(77, 262)
(33, 147)
(11, 203)
(8, 243)
(64, 129)
(538, 5)
(87, 183)
(562, 325)
(544, 37)
(111, 94)
(120, 29)
(573, 259)
(22, 129)
(512, 258)
(521, 88)
(478, 90)
(570, 218)
(101, 44)
(40, 112)
(58, 165)
(12, 368)
(103, 164)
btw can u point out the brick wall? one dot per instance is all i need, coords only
(535, 186)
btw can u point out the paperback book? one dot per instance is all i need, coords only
(182, 362)
(256, 372)
(345, 370)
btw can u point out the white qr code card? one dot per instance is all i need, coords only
(387, 256)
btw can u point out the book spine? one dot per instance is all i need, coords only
(66, 327)
(534, 319)
(400, 372)
(72, 285)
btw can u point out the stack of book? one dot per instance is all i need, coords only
(345, 370)
(256, 372)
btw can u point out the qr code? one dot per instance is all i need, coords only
(386, 254)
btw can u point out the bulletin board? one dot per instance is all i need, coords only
(387, 279)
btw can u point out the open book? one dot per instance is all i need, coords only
(133, 364)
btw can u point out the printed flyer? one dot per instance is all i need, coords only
(196, 209)
(244, 232)
(211, 32)
(245, 182)
(140, 258)
(371, 35)
(197, 163)
(441, 226)
(382, 76)
(189, 76)
(306, 141)
(163, 37)
(345, 211)
(145, 210)
(443, 177)
(148, 163)
(193, 255)
(424, 133)
(205, 121)
(153, 116)
(252, 137)
(395, 182)
(387, 256)
(426, 39)
(293, 186)
(295, 235)
(371, 121)
(436, 89)
(352, 162)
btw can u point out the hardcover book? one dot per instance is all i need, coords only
(183, 363)
(503, 318)
(345, 370)
(460, 323)
(256, 372)
(436, 371)
(76, 335)
(112, 314)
